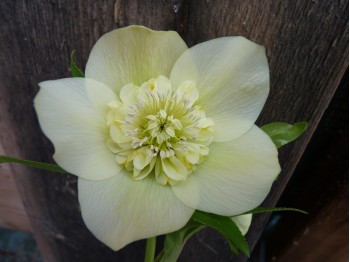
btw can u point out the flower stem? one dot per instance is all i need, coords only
(150, 249)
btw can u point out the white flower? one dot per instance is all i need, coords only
(157, 130)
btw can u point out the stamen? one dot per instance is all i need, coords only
(163, 127)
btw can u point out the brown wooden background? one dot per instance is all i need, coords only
(307, 47)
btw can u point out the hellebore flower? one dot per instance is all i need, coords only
(156, 130)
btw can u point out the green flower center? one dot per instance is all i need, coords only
(158, 131)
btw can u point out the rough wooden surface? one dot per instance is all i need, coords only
(306, 42)
(12, 212)
(329, 238)
(323, 173)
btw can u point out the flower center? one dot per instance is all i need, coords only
(158, 131)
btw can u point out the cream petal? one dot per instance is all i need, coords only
(235, 177)
(133, 54)
(128, 94)
(162, 85)
(76, 126)
(174, 168)
(99, 94)
(142, 158)
(188, 91)
(140, 174)
(161, 178)
(232, 76)
(118, 135)
(119, 210)
(243, 222)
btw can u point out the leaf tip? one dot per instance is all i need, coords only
(75, 70)
(302, 125)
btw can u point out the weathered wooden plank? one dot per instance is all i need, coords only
(324, 175)
(326, 235)
(12, 212)
(306, 42)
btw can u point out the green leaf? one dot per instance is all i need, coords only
(175, 241)
(74, 69)
(40, 165)
(284, 133)
(233, 248)
(274, 209)
(226, 227)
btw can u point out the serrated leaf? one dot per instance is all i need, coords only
(40, 165)
(226, 227)
(284, 133)
(274, 209)
(174, 242)
(74, 69)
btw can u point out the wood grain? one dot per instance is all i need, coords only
(323, 173)
(12, 212)
(306, 42)
(326, 234)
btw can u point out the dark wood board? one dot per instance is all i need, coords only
(323, 172)
(307, 47)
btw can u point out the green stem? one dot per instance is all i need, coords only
(150, 249)
(175, 241)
